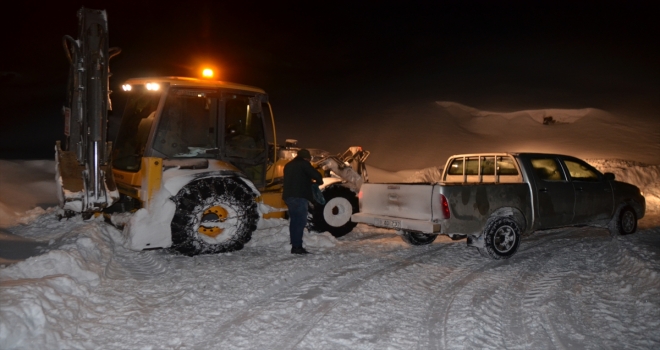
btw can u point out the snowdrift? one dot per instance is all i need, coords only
(425, 135)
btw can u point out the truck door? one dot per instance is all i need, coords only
(555, 194)
(594, 200)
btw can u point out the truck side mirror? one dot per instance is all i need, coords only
(609, 176)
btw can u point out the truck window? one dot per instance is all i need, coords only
(472, 166)
(506, 167)
(488, 169)
(548, 169)
(456, 167)
(581, 171)
(472, 170)
(488, 166)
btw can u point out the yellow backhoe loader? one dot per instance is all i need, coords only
(196, 160)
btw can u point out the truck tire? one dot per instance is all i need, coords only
(213, 215)
(417, 238)
(501, 238)
(335, 215)
(624, 221)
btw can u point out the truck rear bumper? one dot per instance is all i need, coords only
(397, 223)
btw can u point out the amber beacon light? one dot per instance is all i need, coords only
(207, 73)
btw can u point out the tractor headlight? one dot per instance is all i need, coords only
(153, 86)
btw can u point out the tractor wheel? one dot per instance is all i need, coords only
(418, 238)
(335, 215)
(213, 215)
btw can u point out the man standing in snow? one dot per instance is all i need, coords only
(298, 178)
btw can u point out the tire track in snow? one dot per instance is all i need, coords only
(320, 291)
(439, 324)
(629, 275)
(140, 266)
(296, 332)
(549, 316)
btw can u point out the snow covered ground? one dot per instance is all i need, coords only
(564, 289)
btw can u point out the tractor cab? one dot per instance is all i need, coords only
(188, 122)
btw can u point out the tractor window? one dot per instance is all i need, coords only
(187, 125)
(134, 130)
(244, 138)
(244, 130)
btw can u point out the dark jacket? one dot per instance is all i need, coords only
(298, 176)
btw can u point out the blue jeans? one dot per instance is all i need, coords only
(297, 219)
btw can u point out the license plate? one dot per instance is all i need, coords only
(388, 223)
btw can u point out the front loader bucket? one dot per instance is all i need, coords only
(73, 186)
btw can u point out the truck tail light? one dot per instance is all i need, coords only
(445, 207)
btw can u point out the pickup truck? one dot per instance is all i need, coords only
(495, 198)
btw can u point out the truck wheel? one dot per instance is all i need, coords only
(501, 238)
(624, 221)
(335, 215)
(418, 238)
(213, 215)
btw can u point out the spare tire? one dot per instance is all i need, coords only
(335, 215)
(213, 215)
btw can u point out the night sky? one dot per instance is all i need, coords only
(324, 66)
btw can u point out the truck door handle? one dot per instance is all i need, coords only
(543, 189)
(579, 189)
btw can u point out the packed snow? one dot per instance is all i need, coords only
(576, 287)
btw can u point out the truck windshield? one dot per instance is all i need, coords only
(139, 115)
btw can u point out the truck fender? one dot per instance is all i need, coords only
(513, 212)
(477, 240)
(639, 208)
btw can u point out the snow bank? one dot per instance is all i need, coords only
(556, 115)
(44, 297)
(425, 135)
(150, 227)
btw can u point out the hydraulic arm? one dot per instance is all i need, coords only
(85, 176)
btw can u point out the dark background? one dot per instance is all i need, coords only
(326, 65)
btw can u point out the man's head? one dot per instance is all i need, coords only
(304, 154)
